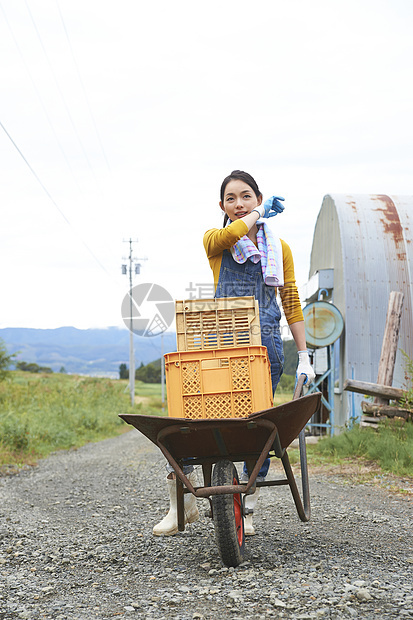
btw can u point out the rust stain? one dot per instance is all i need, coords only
(391, 223)
(352, 204)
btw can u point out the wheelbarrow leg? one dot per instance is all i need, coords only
(304, 472)
(304, 511)
(303, 507)
(180, 505)
(250, 467)
(207, 473)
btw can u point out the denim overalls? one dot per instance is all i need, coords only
(237, 280)
(240, 280)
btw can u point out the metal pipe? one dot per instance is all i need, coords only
(205, 491)
(304, 511)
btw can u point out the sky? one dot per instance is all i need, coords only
(119, 120)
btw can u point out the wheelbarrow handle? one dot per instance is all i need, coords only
(299, 386)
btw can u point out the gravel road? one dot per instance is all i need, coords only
(76, 543)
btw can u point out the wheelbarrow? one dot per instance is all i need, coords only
(216, 444)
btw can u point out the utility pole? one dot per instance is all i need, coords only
(162, 375)
(131, 351)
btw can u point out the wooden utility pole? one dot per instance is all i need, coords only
(383, 390)
(390, 343)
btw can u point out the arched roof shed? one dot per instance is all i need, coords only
(367, 241)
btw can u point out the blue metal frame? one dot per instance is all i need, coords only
(328, 404)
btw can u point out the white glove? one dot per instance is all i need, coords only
(260, 209)
(269, 208)
(304, 367)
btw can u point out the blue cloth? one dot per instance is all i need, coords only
(273, 206)
(239, 280)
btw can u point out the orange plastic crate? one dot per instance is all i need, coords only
(218, 383)
(217, 323)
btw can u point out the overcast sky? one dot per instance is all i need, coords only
(120, 119)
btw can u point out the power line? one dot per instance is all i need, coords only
(39, 97)
(59, 89)
(52, 199)
(82, 85)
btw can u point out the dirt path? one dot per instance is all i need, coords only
(76, 543)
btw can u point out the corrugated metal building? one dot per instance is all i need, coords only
(367, 241)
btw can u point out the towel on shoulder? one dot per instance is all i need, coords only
(269, 252)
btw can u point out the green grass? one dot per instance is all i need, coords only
(391, 446)
(282, 397)
(148, 399)
(43, 413)
(149, 390)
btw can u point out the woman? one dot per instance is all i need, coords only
(246, 259)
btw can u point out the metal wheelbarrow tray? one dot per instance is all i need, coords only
(207, 442)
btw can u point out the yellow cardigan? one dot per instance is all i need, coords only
(216, 240)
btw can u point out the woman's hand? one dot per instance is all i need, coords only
(273, 206)
(304, 367)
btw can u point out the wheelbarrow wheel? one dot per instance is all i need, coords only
(228, 516)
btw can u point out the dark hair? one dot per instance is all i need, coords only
(239, 175)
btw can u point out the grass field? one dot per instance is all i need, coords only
(41, 413)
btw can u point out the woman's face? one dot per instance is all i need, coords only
(239, 200)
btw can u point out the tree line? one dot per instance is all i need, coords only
(151, 373)
(7, 360)
(32, 367)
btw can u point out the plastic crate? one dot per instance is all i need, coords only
(221, 383)
(217, 323)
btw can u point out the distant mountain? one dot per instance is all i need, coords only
(97, 351)
(84, 351)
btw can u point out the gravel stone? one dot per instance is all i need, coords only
(76, 543)
(363, 594)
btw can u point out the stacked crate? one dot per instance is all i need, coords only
(220, 369)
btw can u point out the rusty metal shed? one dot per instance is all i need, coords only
(367, 241)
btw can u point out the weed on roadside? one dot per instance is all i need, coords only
(43, 413)
(391, 446)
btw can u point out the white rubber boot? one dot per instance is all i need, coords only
(250, 503)
(169, 524)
